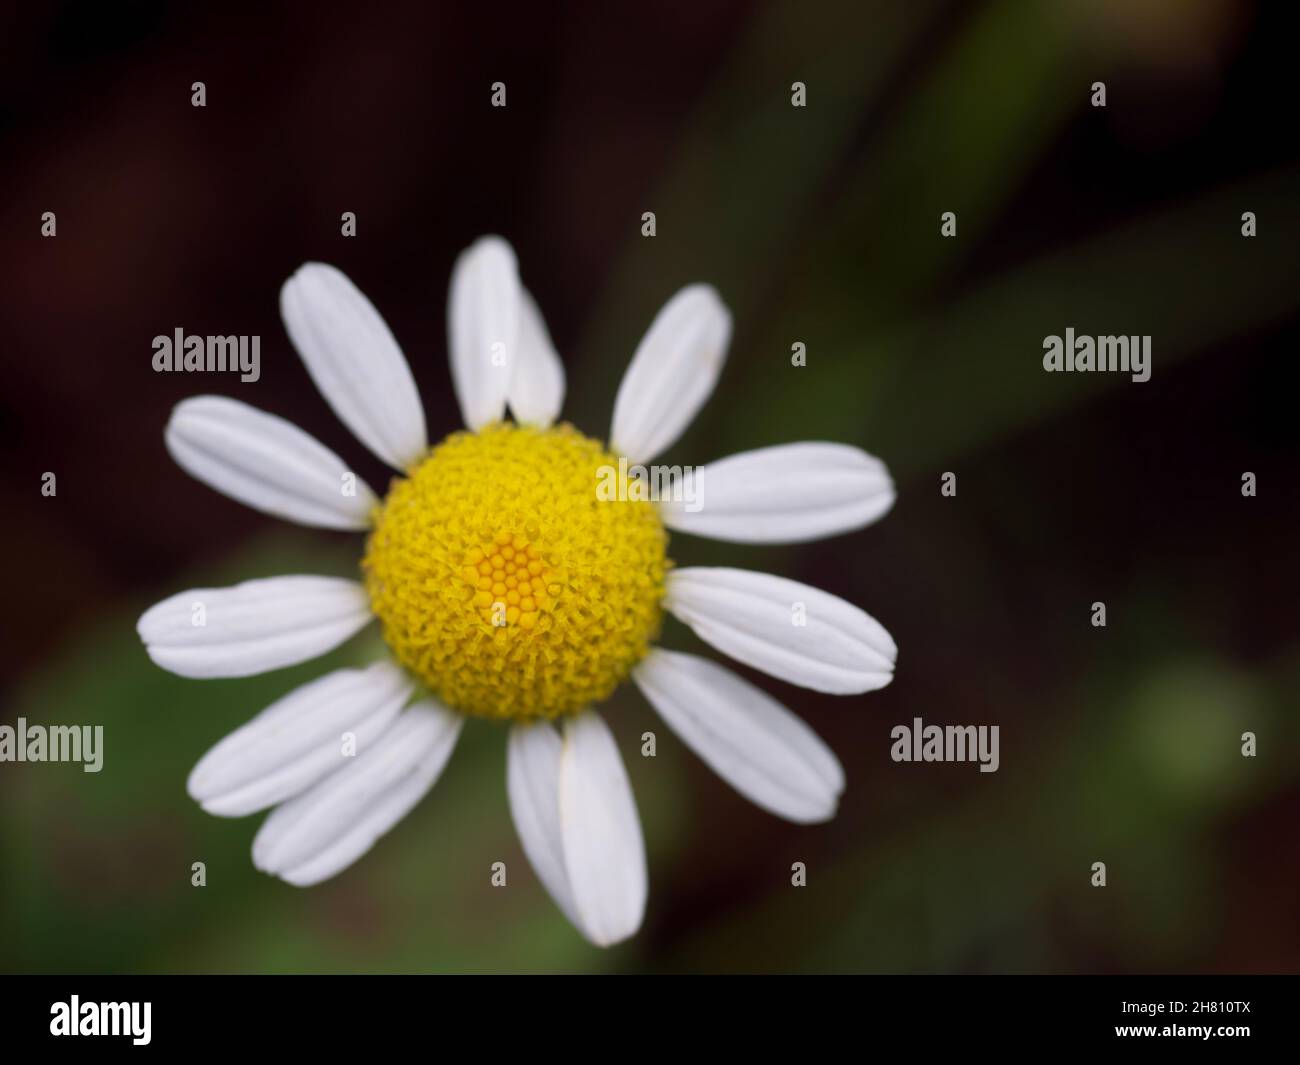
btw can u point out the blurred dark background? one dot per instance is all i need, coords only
(818, 225)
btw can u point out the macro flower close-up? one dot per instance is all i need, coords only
(648, 490)
(518, 572)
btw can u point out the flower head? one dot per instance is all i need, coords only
(503, 582)
(507, 586)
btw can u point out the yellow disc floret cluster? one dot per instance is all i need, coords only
(505, 582)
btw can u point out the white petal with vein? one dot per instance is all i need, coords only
(483, 310)
(672, 373)
(321, 832)
(604, 852)
(533, 785)
(784, 628)
(351, 354)
(781, 495)
(297, 740)
(537, 387)
(749, 739)
(267, 463)
(254, 626)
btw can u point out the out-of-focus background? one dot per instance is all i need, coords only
(818, 225)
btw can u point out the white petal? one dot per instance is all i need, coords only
(483, 309)
(537, 387)
(252, 627)
(755, 618)
(266, 462)
(351, 355)
(533, 785)
(749, 739)
(299, 739)
(604, 852)
(672, 373)
(323, 831)
(782, 495)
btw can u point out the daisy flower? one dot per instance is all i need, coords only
(506, 588)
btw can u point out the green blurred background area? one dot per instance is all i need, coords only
(818, 225)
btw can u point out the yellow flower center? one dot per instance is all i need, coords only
(506, 583)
